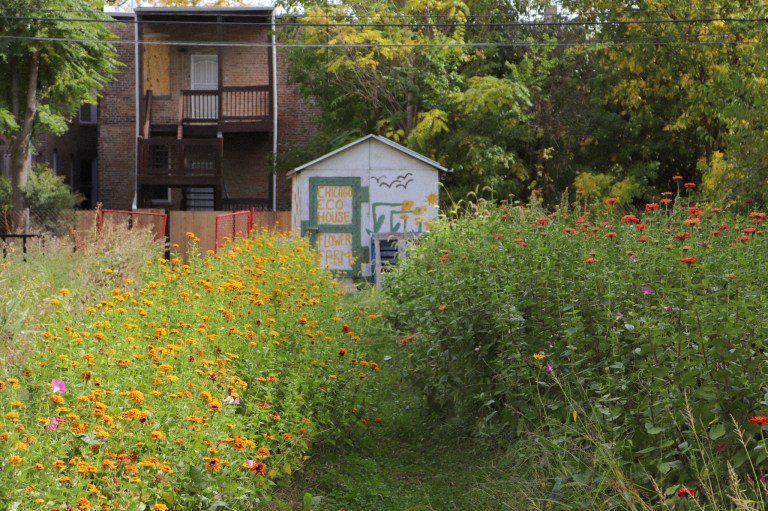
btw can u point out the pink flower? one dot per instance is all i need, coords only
(549, 367)
(53, 424)
(619, 315)
(647, 291)
(58, 386)
(232, 400)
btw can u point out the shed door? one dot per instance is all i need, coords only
(334, 221)
(205, 77)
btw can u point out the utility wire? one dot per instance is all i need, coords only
(468, 24)
(646, 41)
(238, 12)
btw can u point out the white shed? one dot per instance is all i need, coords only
(366, 190)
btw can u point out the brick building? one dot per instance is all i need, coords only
(193, 118)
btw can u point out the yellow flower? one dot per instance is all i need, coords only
(156, 435)
(160, 507)
(539, 356)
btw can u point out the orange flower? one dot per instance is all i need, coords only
(342, 352)
(136, 396)
(442, 306)
(213, 464)
(406, 340)
(611, 200)
(590, 260)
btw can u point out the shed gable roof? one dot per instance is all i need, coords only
(383, 140)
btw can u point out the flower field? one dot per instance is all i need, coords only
(629, 344)
(197, 386)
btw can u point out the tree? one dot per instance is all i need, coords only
(672, 90)
(182, 3)
(405, 70)
(54, 55)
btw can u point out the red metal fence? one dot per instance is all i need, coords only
(231, 225)
(157, 222)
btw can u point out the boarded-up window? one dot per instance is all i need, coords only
(157, 69)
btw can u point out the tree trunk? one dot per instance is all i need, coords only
(21, 141)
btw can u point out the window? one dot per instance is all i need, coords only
(89, 114)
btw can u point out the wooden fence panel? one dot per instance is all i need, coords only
(201, 223)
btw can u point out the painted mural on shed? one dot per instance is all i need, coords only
(365, 190)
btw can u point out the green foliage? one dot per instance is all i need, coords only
(5, 193)
(47, 191)
(642, 331)
(200, 385)
(50, 200)
(415, 82)
(51, 64)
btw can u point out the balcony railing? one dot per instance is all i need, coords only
(169, 160)
(227, 104)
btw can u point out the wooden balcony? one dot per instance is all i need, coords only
(174, 162)
(230, 108)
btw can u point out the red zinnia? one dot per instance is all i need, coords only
(610, 235)
(406, 340)
(665, 201)
(675, 178)
(569, 230)
(442, 306)
(686, 492)
(444, 257)
(630, 219)
(689, 185)
(652, 206)
(640, 227)
(690, 260)
(590, 260)
(758, 419)
(611, 200)
(542, 221)
(498, 236)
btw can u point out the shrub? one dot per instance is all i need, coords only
(198, 388)
(521, 318)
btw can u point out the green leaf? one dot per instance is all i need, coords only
(652, 430)
(717, 431)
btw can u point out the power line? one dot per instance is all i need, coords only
(645, 41)
(468, 24)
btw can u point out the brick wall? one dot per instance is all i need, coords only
(247, 170)
(117, 129)
(297, 122)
